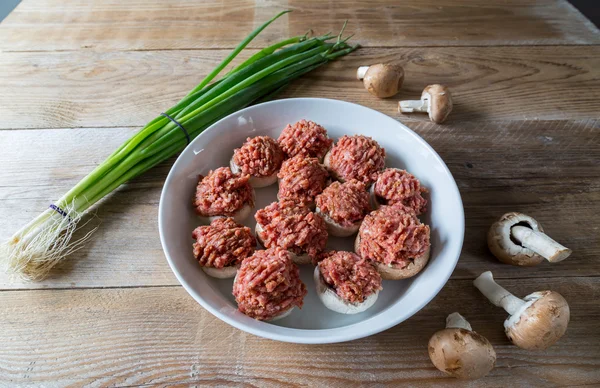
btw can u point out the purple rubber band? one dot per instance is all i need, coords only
(59, 210)
(187, 136)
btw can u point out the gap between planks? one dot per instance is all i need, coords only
(134, 287)
(84, 49)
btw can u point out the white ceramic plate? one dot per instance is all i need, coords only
(398, 301)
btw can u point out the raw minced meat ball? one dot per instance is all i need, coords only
(294, 227)
(356, 157)
(345, 203)
(222, 192)
(222, 243)
(352, 278)
(398, 186)
(393, 235)
(259, 156)
(268, 284)
(301, 179)
(305, 138)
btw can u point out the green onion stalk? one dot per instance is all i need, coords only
(45, 241)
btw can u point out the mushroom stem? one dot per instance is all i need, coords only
(457, 321)
(496, 294)
(540, 243)
(360, 73)
(409, 106)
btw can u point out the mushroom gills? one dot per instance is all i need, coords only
(334, 302)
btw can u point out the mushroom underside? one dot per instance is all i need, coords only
(505, 247)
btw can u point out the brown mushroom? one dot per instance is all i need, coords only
(381, 80)
(436, 100)
(536, 322)
(518, 239)
(460, 352)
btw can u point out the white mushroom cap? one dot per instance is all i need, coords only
(382, 80)
(393, 272)
(255, 181)
(222, 273)
(335, 229)
(302, 259)
(334, 302)
(535, 322)
(506, 246)
(460, 352)
(540, 322)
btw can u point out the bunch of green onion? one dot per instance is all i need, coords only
(46, 240)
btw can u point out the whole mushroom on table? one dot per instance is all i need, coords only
(536, 321)
(381, 80)
(460, 352)
(436, 101)
(518, 239)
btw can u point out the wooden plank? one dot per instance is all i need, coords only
(85, 89)
(51, 25)
(125, 337)
(548, 169)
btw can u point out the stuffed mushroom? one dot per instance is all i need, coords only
(343, 206)
(346, 283)
(267, 286)
(221, 246)
(222, 193)
(355, 157)
(395, 240)
(293, 227)
(261, 158)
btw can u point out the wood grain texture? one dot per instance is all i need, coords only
(90, 89)
(125, 337)
(548, 169)
(183, 24)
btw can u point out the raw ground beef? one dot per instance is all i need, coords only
(222, 243)
(345, 203)
(393, 235)
(292, 227)
(259, 156)
(398, 186)
(301, 179)
(356, 157)
(222, 192)
(268, 284)
(352, 278)
(305, 138)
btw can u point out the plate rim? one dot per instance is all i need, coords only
(320, 336)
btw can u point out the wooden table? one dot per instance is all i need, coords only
(77, 77)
